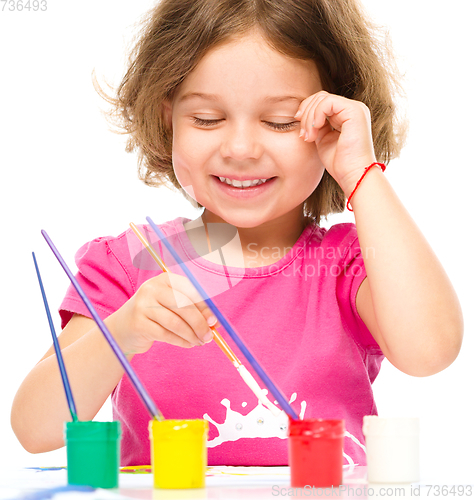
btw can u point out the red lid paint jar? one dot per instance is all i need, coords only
(315, 452)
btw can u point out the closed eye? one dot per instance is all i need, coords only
(282, 127)
(205, 123)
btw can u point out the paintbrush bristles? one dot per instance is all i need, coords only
(244, 373)
(226, 325)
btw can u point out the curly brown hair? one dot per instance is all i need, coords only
(352, 60)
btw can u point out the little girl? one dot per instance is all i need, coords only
(267, 113)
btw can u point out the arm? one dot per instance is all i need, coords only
(93, 370)
(407, 301)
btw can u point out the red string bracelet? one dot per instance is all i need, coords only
(381, 165)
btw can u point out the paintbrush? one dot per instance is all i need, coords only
(244, 373)
(139, 387)
(59, 356)
(227, 326)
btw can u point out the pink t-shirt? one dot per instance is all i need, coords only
(297, 316)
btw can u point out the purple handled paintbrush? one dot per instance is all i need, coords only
(139, 387)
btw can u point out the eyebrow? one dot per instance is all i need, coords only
(215, 98)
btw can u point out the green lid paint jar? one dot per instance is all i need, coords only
(93, 453)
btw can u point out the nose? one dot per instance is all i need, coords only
(241, 142)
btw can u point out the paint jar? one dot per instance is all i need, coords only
(179, 453)
(315, 452)
(392, 449)
(93, 453)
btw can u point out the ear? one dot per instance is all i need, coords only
(167, 111)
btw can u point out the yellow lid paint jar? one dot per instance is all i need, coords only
(179, 453)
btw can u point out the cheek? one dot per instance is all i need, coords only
(183, 159)
(190, 157)
(309, 165)
(309, 181)
(310, 174)
(182, 171)
(316, 170)
(191, 151)
(190, 146)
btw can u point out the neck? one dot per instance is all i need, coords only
(255, 246)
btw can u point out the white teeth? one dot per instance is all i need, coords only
(242, 184)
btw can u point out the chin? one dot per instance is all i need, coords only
(245, 218)
(244, 222)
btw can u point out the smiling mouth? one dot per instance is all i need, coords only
(243, 184)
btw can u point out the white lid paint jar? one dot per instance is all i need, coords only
(393, 449)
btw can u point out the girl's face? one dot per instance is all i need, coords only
(233, 125)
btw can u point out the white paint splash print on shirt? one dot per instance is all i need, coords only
(260, 423)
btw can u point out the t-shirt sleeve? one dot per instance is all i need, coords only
(104, 277)
(352, 275)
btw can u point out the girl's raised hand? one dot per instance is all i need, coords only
(341, 130)
(166, 308)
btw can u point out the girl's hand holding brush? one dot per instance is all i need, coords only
(166, 308)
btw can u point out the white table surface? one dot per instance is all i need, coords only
(227, 483)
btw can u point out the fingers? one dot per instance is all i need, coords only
(186, 321)
(177, 329)
(321, 133)
(179, 311)
(323, 110)
(308, 116)
(182, 285)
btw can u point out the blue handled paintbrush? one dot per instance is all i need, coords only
(243, 372)
(227, 326)
(59, 356)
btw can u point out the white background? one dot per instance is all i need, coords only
(62, 170)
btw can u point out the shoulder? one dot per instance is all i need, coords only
(124, 246)
(343, 235)
(124, 255)
(110, 271)
(339, 242)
